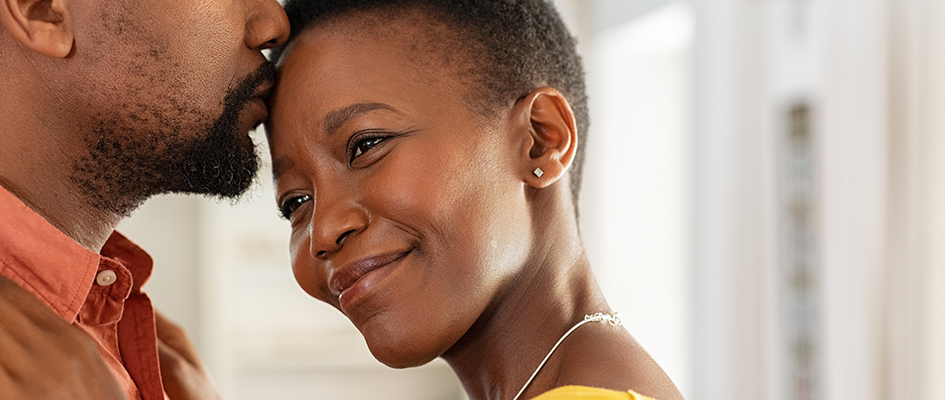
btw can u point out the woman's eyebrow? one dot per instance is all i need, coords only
(280, 166)
(336, 119)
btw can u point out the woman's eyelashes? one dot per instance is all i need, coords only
(358, 145)
(290, 205)
(363, 143)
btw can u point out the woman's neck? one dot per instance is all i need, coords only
(501, 350)
(554, 290)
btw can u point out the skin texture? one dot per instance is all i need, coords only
(106, 103)
(422, 222)
(148, 76)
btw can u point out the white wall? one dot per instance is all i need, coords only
(636, 198)
(914, 318)
(733, 231)
(872, 72)
(854, 122)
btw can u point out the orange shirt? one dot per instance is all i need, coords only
(100, 294)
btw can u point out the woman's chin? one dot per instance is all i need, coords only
(404, 340)
(397, 347)
(402, 356)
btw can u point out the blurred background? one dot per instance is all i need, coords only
(764, 201)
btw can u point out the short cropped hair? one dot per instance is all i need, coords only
(514, 46)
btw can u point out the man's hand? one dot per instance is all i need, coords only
(181, 370)
(42, 357)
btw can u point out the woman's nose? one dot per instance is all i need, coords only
(335, 221)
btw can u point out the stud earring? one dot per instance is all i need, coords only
(538, 172)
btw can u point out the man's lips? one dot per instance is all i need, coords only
(262, 94)
(259, 101)
(346, 276)
(263, 90)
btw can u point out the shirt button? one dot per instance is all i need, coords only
(106, 277)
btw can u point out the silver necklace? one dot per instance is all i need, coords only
(613, 318)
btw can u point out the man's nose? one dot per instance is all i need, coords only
(267, 25)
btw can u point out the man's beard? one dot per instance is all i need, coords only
(126, 165)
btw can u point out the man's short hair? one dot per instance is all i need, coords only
(511, 46)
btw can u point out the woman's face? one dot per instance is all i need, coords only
(408, 210)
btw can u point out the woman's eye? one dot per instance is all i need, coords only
(288, 207)
(364, 145)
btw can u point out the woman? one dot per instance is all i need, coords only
(421, 151)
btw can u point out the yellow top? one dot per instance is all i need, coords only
(588, 393)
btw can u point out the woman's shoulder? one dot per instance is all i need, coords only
(588, 393)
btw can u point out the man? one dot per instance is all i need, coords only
(104, 104)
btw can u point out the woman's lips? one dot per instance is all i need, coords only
(355, 278)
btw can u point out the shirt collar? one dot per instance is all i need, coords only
(55, 268)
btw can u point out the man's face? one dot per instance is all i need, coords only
(168, 92)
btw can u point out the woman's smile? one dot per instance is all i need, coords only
(356, 280)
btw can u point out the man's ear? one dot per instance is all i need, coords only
(40, 25)
(550, 138)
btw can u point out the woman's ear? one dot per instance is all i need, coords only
(43, 26)
(550, 137)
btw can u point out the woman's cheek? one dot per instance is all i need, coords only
(411, 191)
(302, 263)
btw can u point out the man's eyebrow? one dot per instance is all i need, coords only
(336, 119)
